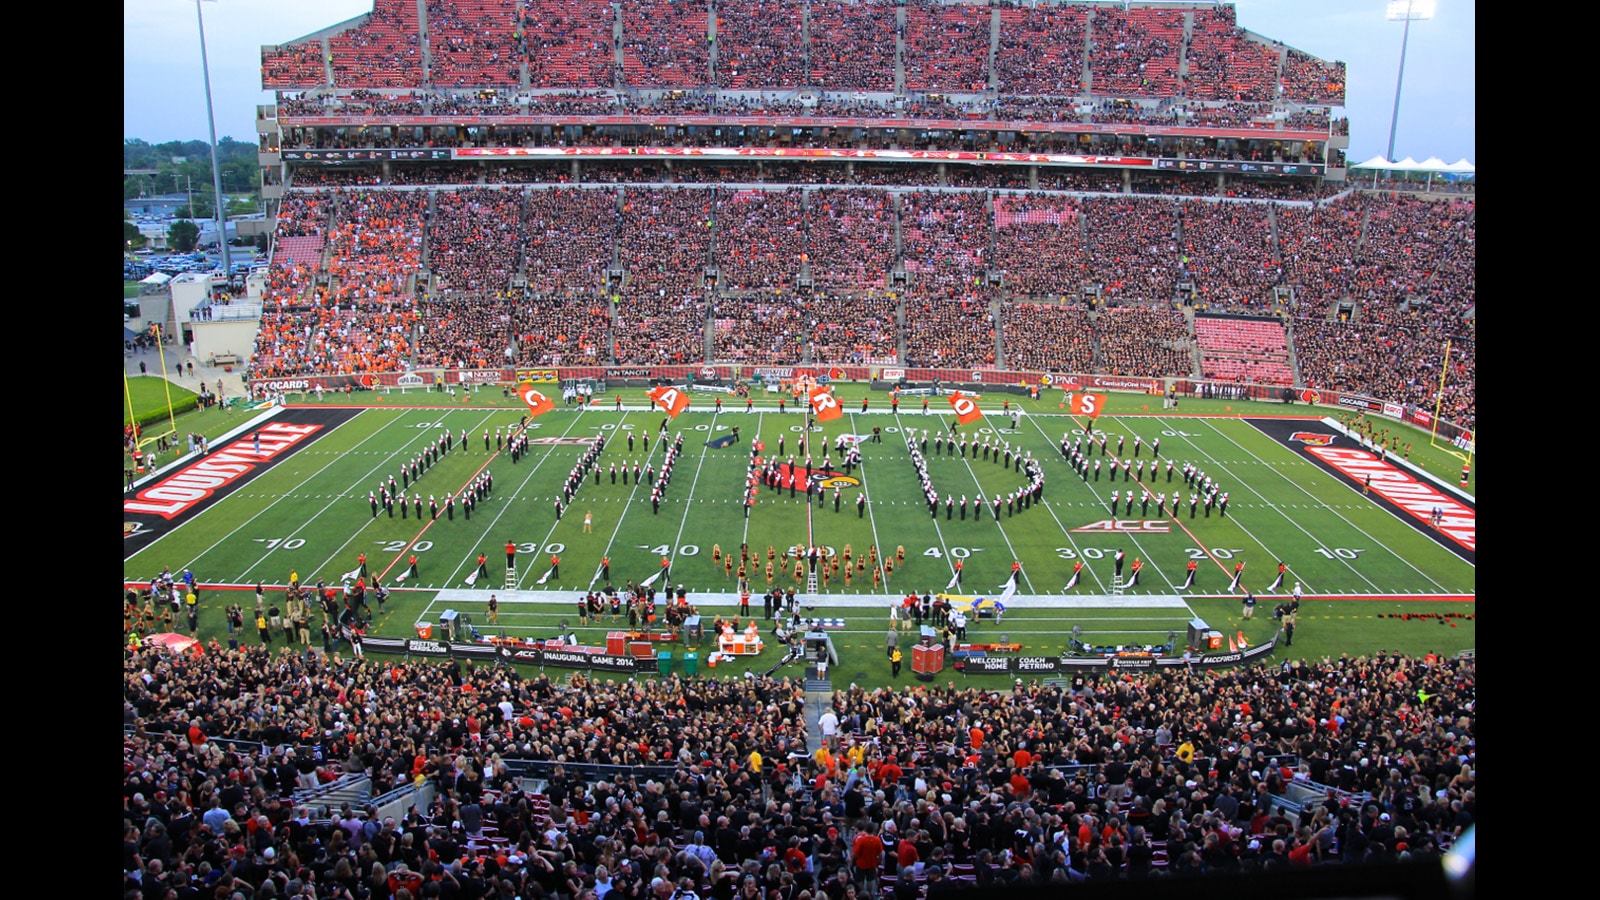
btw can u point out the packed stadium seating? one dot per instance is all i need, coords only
(266, 766)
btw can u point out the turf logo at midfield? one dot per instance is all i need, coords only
(825, 478)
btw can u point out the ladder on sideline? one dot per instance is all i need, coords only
(511, 578)
(1116, 585)
(811, 582)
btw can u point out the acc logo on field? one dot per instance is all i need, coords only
(1126, 526)
(129, 529)
(1312, 438)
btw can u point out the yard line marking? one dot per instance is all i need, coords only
(872, 517)
(700, 464)
(1349, 564)
(405, 453)
(1050, 505)
(983, 502)
(481, 420)
(259, 513)
(745, 538)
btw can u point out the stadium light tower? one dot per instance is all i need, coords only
(1405, 11)
(221, 210)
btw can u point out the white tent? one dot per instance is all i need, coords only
(1377, 162)
(1461, 167)
(156, 278)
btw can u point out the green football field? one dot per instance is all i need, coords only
(1373, 574)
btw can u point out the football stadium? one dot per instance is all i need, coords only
(774, 448)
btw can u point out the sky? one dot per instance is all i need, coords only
(163, 93)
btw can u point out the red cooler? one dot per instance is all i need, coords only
(617, 643)
(927, 659)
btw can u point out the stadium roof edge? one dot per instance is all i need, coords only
(321, 33)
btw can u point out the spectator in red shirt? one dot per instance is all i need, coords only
(866, 854)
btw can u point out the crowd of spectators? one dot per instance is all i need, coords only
(656, 329)
(571, 234)
(762, 328)
(664, 240)
(375, 243)
(1039, 245)
(942, 261)
(472, 45)
(1132, 248)
(384, 51)
(1165, 774)
(1311, 80)
(665, 45)
(946, 47)
(475, 239)
(852, 46)
(760, 44)
(1223, 63)
(850, 238)
(760, 239)
(1049, 337)
(1144, 340)
(567, 43)
(1134, 51)
(1228, 254)
(949, 333)
(1402, 267)
(859, 329)
(1041, 51)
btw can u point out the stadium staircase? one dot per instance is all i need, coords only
(900, 58)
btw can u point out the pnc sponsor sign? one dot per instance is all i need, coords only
(179, 492)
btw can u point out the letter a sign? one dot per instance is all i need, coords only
(1087, 405)
(966, 410)
(671, 399)
(538, 403)
(825, 405)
